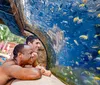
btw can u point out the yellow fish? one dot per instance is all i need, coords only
(98, 51)
(81, 5)
(98, 15)
(85, 37)
(75, 19)
(96, 78)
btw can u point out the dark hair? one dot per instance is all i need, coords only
(18, 48)
(31, 38)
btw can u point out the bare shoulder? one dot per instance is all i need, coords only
(8, 62)
(9, 65)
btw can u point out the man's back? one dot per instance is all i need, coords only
(4, 73)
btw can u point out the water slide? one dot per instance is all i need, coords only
(69, 31)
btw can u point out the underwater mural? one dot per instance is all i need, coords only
(73, 27)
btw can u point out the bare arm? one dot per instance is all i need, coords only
(24, 73)
(41, 68)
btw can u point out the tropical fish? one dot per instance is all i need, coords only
(97, 59)
(92, 10)
(85, 37)
(98, 15)
(76, 42)
(78, 20)
(81, 5)
(96, 78)
(75, 19)
(84, 1)
(95, 46)
(96, 35)
(98, 68)
(98, 51)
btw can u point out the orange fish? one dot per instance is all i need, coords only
(84, 1)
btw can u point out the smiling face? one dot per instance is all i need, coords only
(36, 44)
(27, 56)
(33, 58)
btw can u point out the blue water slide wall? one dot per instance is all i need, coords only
(74, 28)
(73, 25)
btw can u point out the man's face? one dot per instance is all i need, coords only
(28, 57)
(36, 44)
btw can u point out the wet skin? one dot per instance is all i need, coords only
(15, 68)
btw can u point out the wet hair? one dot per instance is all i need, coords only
(18, 48)
(31, 38)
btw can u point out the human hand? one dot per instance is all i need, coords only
(35, 54)
(47, 73)
(40, 68)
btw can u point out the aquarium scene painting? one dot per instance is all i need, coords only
(74, 29)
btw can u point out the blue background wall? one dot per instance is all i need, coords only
(74, 27)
